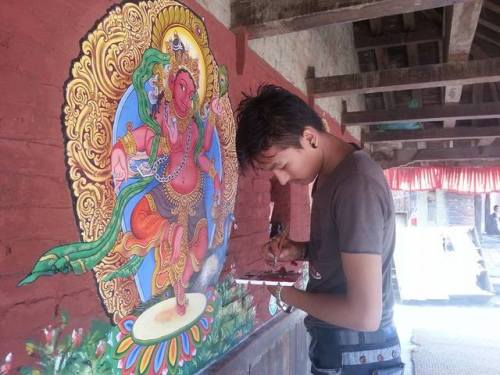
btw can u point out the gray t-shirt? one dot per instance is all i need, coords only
(352, 212)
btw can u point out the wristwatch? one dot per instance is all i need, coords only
(282, 305)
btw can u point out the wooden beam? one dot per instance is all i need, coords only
(376, 26)
(266, 18)
(484, 36)
(489, 4)
(486, 141)
(477, 98)
(411, 156)
(464, 21)
(492, 50)
(488, 34)
(428, 113)
(439, 134)
(382, 63)
(434, 16)
(463, 24)
(409, 21)
(494, 91)
(310, 74)
(418, 77)
(412, 53)
(241, 49)
(490, 25)
(422, 35)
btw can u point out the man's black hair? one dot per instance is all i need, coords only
(274, 116)
(495, 207)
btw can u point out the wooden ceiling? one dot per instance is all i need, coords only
(429, 72)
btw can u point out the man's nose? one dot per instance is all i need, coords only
(282, 177)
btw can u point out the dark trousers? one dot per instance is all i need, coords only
(346, 352)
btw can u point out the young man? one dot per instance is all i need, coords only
(349, 296)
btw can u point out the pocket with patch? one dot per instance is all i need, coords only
(324, 371)
(392, 370)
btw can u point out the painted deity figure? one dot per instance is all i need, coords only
(163, 220)
(171, 218)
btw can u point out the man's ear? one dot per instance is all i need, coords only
(310, 136)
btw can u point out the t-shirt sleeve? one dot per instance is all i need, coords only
(358, 210)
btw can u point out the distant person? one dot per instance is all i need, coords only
(492, 221)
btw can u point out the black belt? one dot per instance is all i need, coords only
(348, 337)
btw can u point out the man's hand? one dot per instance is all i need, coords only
(283, 295)
(284, 290)
(272, 289)
(282, 249)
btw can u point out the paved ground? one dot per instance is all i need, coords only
(490, 246)
(446, 340)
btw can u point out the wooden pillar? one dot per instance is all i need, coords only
(487, 207)
(441, 209)
(478, 205)
(422, 209)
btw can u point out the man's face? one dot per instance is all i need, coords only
(496, 210)
(299, 165)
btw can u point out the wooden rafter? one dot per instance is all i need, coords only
(491, 49)
(424, 35)
(491, 5)
(463, 24)
(418, 77)
(411, 156)
(428, 113)
(266, 18)
(439, 134)
(490, 25)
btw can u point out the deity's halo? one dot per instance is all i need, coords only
(193, 34)
(194, 51)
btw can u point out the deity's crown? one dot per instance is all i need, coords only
(180, 59)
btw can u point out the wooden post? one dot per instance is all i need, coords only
(478, 203)
(266, 18)
(310, 75)
(241, 49)
(416, 77)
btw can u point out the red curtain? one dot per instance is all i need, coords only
(456, 179)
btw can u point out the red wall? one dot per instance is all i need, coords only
(38, 41)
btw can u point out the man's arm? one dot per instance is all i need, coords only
(359, 210)
(360, 308)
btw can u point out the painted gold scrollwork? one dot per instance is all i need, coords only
(120, 296)
(99, 77)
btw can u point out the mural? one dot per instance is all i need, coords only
(107, 349)
(152, 166)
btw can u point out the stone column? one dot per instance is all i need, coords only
(441, 209)
(422, 209)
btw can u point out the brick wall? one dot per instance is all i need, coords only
(460, 209)
(38, 41)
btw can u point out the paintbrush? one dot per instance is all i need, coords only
(281, 238)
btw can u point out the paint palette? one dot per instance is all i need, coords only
(281, 276)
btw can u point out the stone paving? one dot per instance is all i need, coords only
(447, 339)
(490, 247)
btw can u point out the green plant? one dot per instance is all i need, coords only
(77, 353)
